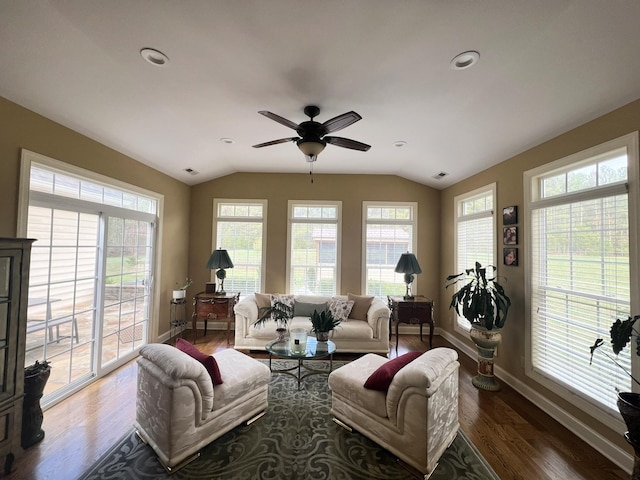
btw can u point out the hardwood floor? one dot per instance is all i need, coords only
(514, 436)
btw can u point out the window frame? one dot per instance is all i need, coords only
(458, 200)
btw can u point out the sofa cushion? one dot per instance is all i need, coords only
(361, 306)
(263, 300)
(340, 308)
(382, 377)
(207, 360)
(303, 309)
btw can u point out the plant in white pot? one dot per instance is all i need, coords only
(181, 291)
(484, 303)
(628, 403)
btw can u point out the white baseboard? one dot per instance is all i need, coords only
(614, 453)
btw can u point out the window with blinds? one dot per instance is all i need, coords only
(475, 233)
(239, 228)
(579, 214)
(314, 248)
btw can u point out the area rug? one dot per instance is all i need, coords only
(295, 440)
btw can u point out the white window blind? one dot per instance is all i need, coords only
(314, 240)
(580, 273)
(240, 226)
(475, 233)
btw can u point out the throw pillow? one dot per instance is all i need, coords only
(302, 309)
(207, 360)
(360, 306)
(340, 309)
(382, 377)
(263, 300)
(286, 299)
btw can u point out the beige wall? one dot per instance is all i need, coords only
(352, 190)
(509, 178)
(22, 128)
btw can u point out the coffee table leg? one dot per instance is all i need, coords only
(299, 365)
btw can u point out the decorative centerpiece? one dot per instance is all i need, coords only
(280, 313)
(35, 379)
(322, 323)
(483, 302)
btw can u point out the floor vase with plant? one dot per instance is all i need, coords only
(483, 302)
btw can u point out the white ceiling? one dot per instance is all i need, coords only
(546, 66)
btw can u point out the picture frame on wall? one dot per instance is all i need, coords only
(510, 215)
(510, 256)
(510, 235)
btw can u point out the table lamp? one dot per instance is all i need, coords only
(220, 260)
(408, 264)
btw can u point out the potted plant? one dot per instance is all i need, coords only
(280, 313)
(35, 379)
(628, 402)
(484, 303)
(322, 323)
(181, 291)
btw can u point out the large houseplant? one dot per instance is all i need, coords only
(484, 303)
(280, 313)
(322, 323)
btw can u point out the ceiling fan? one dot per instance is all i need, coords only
(312, 140)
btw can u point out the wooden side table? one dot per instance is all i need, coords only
(213, 306)
(416, 310)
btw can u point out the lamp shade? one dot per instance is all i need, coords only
(219, 259)
(408, 264)
(311, 147)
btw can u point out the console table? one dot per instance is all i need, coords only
(416, 310)
(213, 306)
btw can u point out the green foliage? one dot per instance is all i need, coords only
(323, 321)
(482, 299)
(279, 312)
(187, 283)
(621, 332)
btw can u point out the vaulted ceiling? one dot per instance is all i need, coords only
(545, 66)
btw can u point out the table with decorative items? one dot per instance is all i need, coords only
(214, 306)
(301, 347)
(413, 310)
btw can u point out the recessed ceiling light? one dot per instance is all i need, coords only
(154, 57)
(399, 143)
(227, 140)
(465, 60)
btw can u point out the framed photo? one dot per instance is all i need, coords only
(510, 235)
(510, 256)
(510, 215)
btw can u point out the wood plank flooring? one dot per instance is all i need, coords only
(516, 438)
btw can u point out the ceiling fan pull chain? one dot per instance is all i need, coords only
(311, 171)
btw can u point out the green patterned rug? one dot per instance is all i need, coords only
(295, 440)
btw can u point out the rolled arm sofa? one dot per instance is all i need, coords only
(367, 334)
(179, 410)
(416, 419)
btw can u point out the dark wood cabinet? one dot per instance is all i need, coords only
(15, 255)
(416, 310)
(213, 306)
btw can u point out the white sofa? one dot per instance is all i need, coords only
(416, 419)
(352, 335)
(179, 410)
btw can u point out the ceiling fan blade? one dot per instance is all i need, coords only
(341, 121)
(279, 119)
(347, 143)
(276, 142)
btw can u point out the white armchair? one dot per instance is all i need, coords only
(416, 419)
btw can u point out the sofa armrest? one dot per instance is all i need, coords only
(247, 307)
(378, 318)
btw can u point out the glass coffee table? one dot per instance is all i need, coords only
(313, 350)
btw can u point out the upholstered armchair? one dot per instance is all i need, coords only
(416, 419)
(178, 408)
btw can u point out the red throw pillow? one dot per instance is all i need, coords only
(382, 377)
(207, 360)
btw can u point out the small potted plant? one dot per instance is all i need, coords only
(322, 323)
(280, 313)
(181, 291)
(483, 302)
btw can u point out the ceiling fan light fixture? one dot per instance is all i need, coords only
(311, 147)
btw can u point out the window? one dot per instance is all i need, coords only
(389, 232)
(239, 228)
(314, 248)
(475, 233)
(581, 224)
